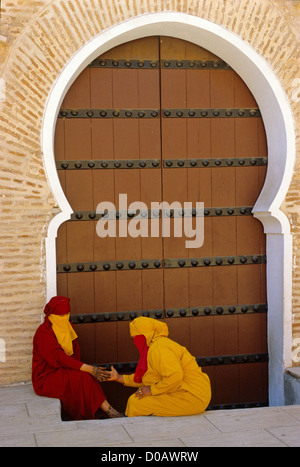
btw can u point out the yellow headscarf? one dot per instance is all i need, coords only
(63, 331)
(151, 328)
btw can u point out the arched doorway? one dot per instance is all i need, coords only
(161, 119)
(281, 151)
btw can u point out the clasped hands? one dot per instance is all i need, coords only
(102, 374)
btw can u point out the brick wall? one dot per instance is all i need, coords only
(37, 38)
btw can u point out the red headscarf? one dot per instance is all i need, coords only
(57, 306)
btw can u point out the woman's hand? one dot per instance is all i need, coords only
(96, 371)
(101, 374)
(113, 375)
(143, 391)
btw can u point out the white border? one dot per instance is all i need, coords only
(278, 121)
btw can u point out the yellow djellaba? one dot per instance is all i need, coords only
(178, 385)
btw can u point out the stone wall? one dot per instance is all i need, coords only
(37, 38)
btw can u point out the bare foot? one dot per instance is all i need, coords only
(113, 413)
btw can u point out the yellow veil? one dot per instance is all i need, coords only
(63, 331)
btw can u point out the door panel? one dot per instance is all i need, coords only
(118, 133)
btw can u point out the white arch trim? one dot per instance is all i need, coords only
(278, 121)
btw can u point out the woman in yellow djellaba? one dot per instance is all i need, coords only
(169, 379)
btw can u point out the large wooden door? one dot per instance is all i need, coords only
(161, 119)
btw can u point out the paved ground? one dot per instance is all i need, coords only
(29, 420)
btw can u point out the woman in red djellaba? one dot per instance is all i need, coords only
(57, 370)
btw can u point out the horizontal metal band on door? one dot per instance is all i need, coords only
(124, 63)
(159, 263)
(108, 164)
(232, 359)
(109, 266)
(155, 214)
(155, 64)
(84, 164)
(184, 312)
(109, 113)
(214, 261)
(219, 162)
(210, 113)
(195, 65)
(128, 367)
(238, 405)
(216, 310)
(155, 113)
